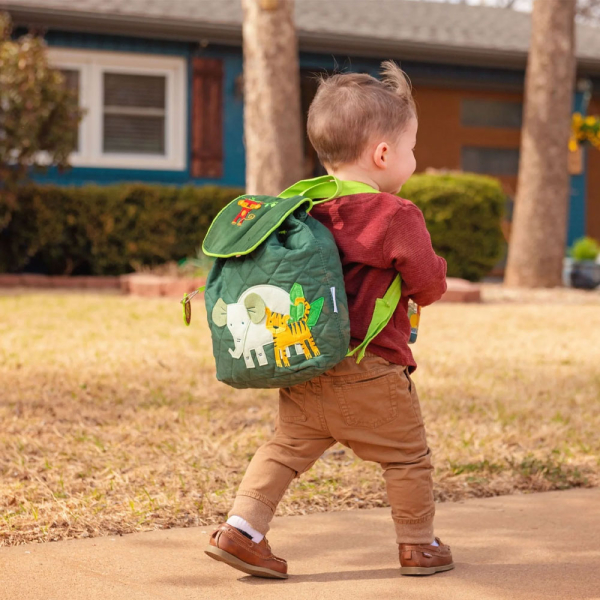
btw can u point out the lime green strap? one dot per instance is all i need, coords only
(188, 296)
(384, 309)
(326, 187)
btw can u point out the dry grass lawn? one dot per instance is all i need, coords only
(111, 420)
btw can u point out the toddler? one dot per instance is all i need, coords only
(364, 130)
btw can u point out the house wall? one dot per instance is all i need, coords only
(234, 156)
(233, 147)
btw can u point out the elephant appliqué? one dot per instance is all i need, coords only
(246, 320)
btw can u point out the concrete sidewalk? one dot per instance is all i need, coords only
(512, 547)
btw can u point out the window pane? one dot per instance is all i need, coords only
(491, 113)
(134, 135)
(490, 161)
(134, 113)
(139, 91)
(72, 83)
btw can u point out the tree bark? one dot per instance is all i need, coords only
(538, 236)
(272, 117)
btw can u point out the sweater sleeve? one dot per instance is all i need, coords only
(407, 247)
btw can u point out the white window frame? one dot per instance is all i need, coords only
(92, 65)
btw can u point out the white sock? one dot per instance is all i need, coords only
(242, 524)
(434, 543)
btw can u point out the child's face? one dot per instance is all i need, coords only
(400, 161)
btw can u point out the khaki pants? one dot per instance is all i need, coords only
(372, 408)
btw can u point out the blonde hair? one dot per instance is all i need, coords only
(350, 109)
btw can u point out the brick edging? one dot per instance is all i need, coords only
(29, 280)
(461, 290)
(137, 284)
(149, 286)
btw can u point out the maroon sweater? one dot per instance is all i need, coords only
(379, 235)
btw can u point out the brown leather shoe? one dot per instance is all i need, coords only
(227, 544)
(425, 559)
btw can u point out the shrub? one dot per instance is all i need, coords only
(105, 230)
(585, 248)
(112, 230)
(463, 214)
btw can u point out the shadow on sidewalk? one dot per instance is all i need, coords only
(493, 578)
(330, 576)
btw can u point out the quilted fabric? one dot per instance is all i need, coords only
(299, 251)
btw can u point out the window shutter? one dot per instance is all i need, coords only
(207, 118)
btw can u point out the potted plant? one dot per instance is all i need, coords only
(582, 270)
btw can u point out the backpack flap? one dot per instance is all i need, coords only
(246, 222)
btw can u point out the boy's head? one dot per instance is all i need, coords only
(360, 125)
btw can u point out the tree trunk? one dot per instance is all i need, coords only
(539, 228)
(272, 118)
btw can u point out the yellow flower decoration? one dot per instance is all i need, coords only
(584, 130)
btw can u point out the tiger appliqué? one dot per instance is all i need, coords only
(286, 334)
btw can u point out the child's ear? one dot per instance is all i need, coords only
(380, 156)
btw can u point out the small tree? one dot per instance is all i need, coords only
(39, 116)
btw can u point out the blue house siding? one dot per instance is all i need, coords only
(116, 43)
(577, 202)
(457, 75)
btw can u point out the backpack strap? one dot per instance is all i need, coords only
(325, 188)
(384, 310)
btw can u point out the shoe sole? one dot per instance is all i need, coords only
(236, 563)
(425, 570)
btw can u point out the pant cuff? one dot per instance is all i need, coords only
(415, 533)
(253, 510)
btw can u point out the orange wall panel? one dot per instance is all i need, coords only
(438, 140)
(441, 134)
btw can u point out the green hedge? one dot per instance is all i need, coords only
(464, 213)
(110, 230)
(106, 230)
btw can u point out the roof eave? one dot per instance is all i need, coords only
(409, 50)
(167, 29)
(231, 34)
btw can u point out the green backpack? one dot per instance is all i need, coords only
(275, 296)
